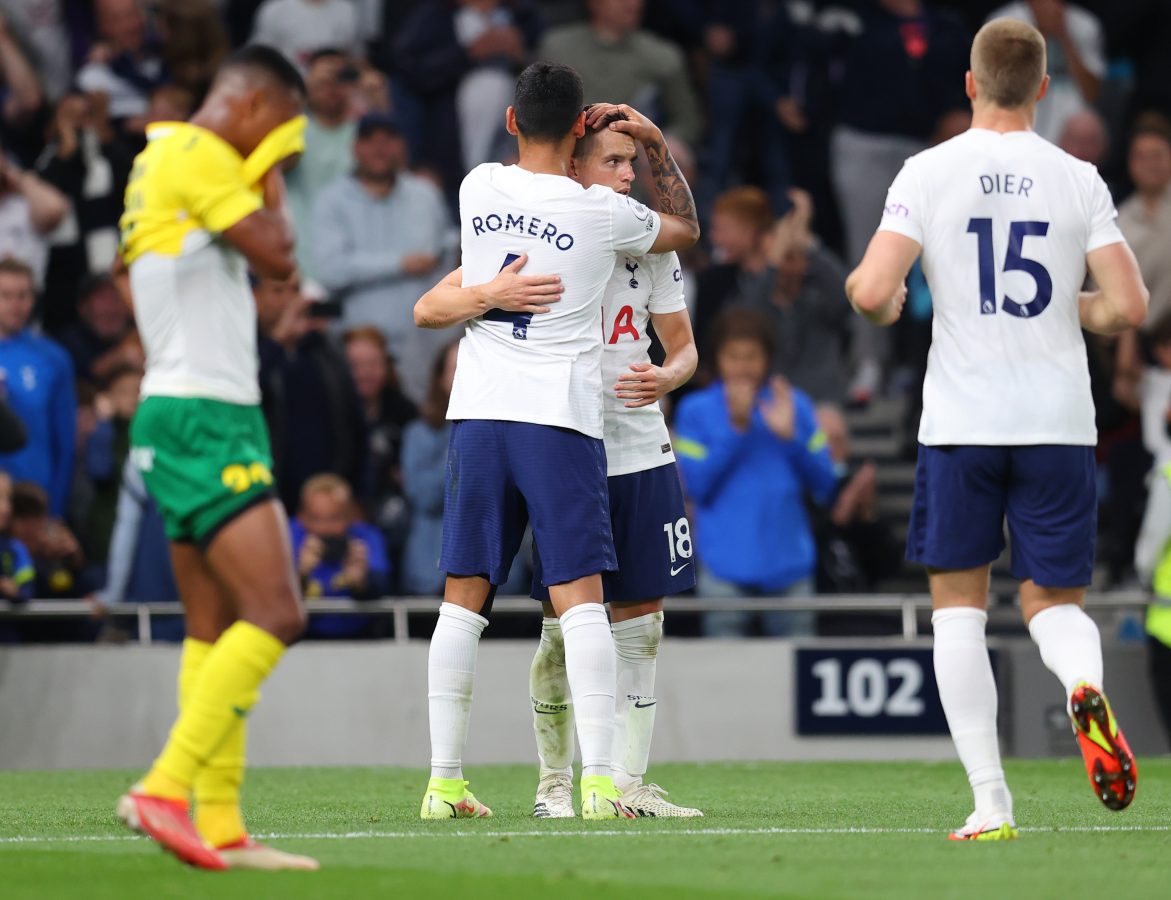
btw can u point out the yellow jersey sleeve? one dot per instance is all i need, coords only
(212, 188)
(187, 179)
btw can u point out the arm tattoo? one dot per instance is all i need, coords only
(671, 188)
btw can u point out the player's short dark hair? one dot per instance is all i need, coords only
(742, 323)
(269, 61)
(547, 101)
(585, 144)
(1008, 62)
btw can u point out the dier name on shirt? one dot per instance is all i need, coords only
(1006, 184)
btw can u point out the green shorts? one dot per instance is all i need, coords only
(203, 461)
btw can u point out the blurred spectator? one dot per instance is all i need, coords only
(105, 456)
(750, 96)
(1155, 392)
(337, 555)
(194, 42)
(464, 56)
(379, 237)
(1084, 136)
(313, 412)
(29, 209)
(854, 547)
(170, 103)
(42, 24)
(38, 379)
(387, 411)
(125, 64)
(424, 479)
(750, 450)
(740, 223)
(21, 98)
(1142, 32)
(331, 80)
(1076, 51)
(138, 557)
(88, 162)
(619, 62)
(56, 554)
(103, 340)
(298, 27)
(902, 74)
(13, 434)
(1145, 218)
(17, 575)
(804, 299)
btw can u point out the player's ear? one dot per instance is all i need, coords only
(579, 127)
(1044, 87)
(970, 85)
(572, 171)
(510, 121)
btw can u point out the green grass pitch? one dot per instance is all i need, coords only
(809, 830)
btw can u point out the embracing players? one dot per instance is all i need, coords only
(526, 445)
(1007, 225)
(205, 202)
(652, 536)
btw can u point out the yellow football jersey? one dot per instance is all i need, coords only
(187, 179)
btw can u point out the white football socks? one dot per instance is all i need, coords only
(967, 691)
(552, 708)
(1070, 645)
(636, 644)
(590, 668)
(451, 671)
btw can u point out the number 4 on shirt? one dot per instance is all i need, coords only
(520, 321)
(1014, 260)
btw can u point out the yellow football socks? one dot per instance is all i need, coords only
(221, 692)
(217, 785)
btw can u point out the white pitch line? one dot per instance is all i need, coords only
(633, 831)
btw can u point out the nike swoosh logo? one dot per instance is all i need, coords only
(675, 571)
(638, 705)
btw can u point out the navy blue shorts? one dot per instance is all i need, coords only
(503, 475)
(1048, 494)
(652, 537)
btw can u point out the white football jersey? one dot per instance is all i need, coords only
(544, 369)
(1005, 222)
(636, 438)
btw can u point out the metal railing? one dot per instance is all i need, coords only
(908, 606)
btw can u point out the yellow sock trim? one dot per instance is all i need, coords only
(195, 654)
(219, 823)
(223, 693)
(160, 784)
(218, 816)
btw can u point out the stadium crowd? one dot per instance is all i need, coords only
(791, 118)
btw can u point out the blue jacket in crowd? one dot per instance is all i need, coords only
(749, 489)
(320, 582)
(38, 379)
(424, 466)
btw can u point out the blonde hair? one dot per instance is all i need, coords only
(747, 204)
(1008, 62)
(326, 483)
